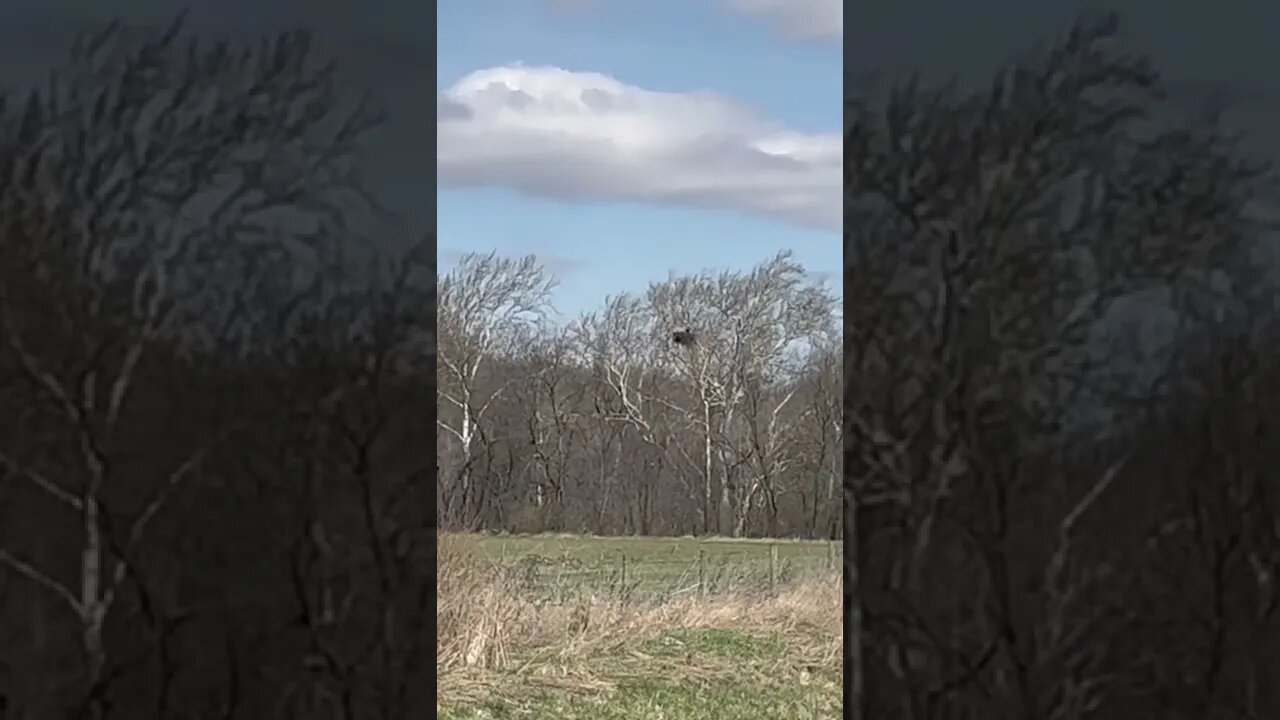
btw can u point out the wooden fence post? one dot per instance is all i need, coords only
(623, 588)
(773, 566)
(702, 559)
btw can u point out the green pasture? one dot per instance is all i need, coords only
(559, 567)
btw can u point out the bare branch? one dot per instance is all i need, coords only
(43, 580)
(42, 482)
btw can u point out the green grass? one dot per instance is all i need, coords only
(683, 675)
(671, 701)
(735, 656)
(583, 547)
(561, 567)
(714, 642)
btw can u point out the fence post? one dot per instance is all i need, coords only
(622, 590)
(773, 566)
(701, 571)
(831, 555)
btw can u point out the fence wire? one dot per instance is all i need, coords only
(639, 577)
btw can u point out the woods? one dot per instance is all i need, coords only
(604, 424)
(214, 497)
(1049, 517)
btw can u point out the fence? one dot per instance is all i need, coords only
(647, 576)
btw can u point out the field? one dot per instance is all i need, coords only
(572, 628)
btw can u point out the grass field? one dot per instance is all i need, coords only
(564, 567)
(572, 628)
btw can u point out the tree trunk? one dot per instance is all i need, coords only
(93, 606)
(707, 494)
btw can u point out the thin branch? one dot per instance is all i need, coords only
(42, 482)
(38, 577)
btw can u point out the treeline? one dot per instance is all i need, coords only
(214, 493)
(605, 425)
(1046, 521)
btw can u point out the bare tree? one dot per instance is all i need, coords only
(632, 417)
(551, 402)
(1197, 548)
(739, 374)
(151, 166)
(989, 235)
(609, 426)
(819, 433)
(487, 305)
(363, 585)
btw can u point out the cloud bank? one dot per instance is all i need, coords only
(584, 137)
(802, 20)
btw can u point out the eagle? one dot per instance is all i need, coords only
(684, 337)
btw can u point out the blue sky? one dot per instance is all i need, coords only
(622, 141)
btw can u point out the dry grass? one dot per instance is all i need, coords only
(475, 617)
(489, 633)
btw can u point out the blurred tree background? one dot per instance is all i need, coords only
(1052, 514)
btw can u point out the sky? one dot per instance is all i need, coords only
(1227, 48)
(380, 47)
(735, 72)
(1202, 50)
(621, 142)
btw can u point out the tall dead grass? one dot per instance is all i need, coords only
(485, 623)
(476, 614)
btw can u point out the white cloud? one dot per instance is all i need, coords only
(580, 136)
(808, 20)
